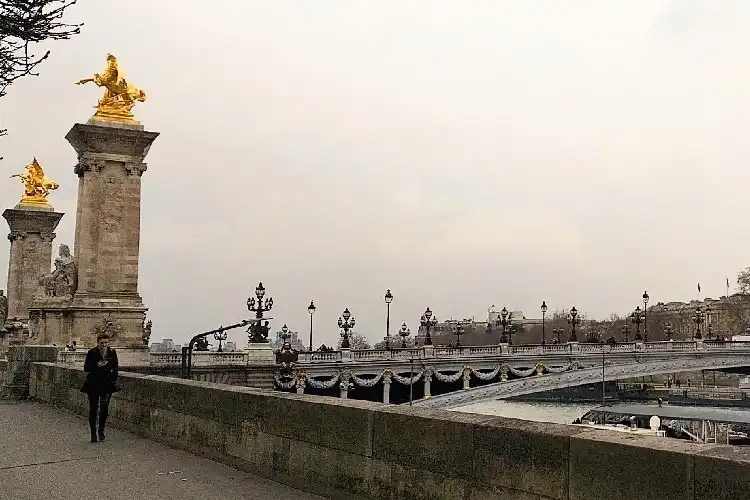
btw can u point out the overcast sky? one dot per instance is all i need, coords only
(461, 154)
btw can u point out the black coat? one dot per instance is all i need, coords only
(100, 379)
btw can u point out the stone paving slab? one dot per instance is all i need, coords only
(45, 453)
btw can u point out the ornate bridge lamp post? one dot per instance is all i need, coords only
(504, 320)
(404, 332)
(346, 323)
(698, 318)
(636, 317)
(544, 313)
(645, 324)
(626, 330)
(388, 300)
(459, 331)
(574, 320)
(428, 321)
(220, 337)
(668, 329)
(311, 310)
(258, 331)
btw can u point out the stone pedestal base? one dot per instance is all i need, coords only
(260, 354)
(60, 321)
(16, 383)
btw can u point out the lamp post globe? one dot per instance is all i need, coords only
(404, 332)
(428, 321)
(388, 299)
(645, 308)
(311, 311)
(544, 313)
(346, 322)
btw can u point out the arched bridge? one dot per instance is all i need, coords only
(502, 371)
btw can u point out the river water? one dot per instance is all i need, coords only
(560, 413)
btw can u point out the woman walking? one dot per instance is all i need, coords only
(101, 373)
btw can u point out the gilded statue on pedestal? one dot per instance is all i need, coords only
(36, 185)
(119, 96)
(63, 280)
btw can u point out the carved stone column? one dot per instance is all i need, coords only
(344, 385)
(467, 378)
(387, 387)
(301, 382)
(31, 235)
(427, 381)
(108, 227)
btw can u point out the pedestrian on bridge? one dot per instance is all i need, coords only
(101, 368)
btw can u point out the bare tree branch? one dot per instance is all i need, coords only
(24, 23)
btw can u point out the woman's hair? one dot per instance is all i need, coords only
(101, 336)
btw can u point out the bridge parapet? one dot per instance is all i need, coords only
(505, 350)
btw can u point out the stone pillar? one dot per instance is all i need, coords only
(467, 379)
(16, 383)
(427, 382)
(386, 388)
(31, 235)
(108, 228)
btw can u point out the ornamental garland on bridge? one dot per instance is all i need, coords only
(301, 378)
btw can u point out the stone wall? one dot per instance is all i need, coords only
(15, 381)
(356, 449)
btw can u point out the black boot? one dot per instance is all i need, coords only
(103, 411)
(92, 426)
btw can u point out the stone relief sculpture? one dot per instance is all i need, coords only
(63, 280)
(3, 308)
(109, 327)
(146, 332)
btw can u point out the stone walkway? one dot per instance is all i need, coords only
(45, 454)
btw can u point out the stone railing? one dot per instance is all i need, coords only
(357, 449)
(507, 351)
(72, 357)
(171, 359)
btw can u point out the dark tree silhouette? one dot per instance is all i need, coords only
(23, 24)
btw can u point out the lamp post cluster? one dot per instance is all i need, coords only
(699, 317)
(505, 320)
(346, 322)
(258, 330)
(637, 317)
(259, 304)
(574, 320)
(428, 321)
(645, 308)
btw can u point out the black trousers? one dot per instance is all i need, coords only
(98, 403)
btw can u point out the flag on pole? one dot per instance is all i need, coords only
(727, 283)
(699, 288)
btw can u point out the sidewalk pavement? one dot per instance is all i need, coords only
(45, 453)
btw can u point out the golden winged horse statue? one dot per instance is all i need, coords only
(119, 96)
(36, 185)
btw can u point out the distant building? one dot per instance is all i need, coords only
(445, 330)
(166, 345)
(230, 346)
(294, 339)
(725, 316)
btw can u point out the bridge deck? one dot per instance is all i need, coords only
(679, 412)
(45, 453)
